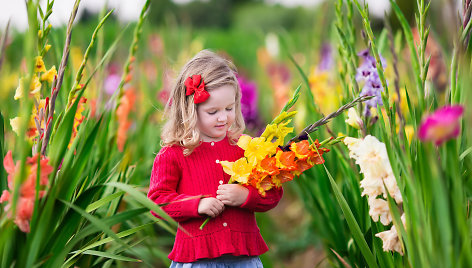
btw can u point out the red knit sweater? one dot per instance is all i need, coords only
(175, 177)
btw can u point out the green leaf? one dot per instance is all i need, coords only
(67, 184)
(58, 243)
(110, 256)
(97, 204)
(142, 199)
(383, 40)
(110, 221)
(62, 136)
(95, 221)
(104, 241)
(310, 99)
(465, 153)
(411, 44)
(352, 223)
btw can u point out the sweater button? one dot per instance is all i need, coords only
(221, 182)
(225, 224)
(217, 161)
(212, 143)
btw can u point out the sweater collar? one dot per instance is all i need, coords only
(214, 143)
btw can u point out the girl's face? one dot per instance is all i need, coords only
(217, 113)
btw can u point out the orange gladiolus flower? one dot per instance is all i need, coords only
(317, 157)
(302, 149)
(282, 177)
(122, 113)
(79, 118)
(302, 165)
(268, 166)
(261, 182)
(285, 160)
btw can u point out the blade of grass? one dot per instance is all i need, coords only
(99, 203)
(142, 198)
(110, 256)
(125, 233)
(93, 220)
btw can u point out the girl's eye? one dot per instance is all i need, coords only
(229, 109)
(212, 112)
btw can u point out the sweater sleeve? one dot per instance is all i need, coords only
(258, 203)
(165, 177)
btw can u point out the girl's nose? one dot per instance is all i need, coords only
(222, 117)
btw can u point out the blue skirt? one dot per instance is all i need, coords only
(226, 261)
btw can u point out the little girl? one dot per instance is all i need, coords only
(204, 122)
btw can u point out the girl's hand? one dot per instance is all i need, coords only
(210, 206)
(232, 194)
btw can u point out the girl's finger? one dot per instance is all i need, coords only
(223, 186)
(210, 213)
(226, 202)
(214, 212)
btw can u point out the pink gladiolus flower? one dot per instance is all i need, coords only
(25, 203)
(441, 125)
(24, 213)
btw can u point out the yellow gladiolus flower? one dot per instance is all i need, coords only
(15, 124)
(258, 149)
(49, 75)
(19, 90)
(244, 141)
(278, 131)
(283, 116)
(39, 65)
(239, 170)
(35, 88)
(409, 131)
(31, 130)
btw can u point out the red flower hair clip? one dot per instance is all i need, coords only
(195, 85)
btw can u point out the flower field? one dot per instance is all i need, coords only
(382, 182)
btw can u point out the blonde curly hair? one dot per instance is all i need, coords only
(181, 111)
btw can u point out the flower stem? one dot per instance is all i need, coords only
(205, 222)
(313, 127)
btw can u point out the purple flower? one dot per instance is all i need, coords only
(441, 125)
(326, 57)
(249, 102)
(367, 73)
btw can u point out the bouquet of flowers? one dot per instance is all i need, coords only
(268, 163)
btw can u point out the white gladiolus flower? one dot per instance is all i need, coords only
(391, 241)
(379, 209)
(353, 119)
(371, 156)
(393, 189)
(372, 186)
